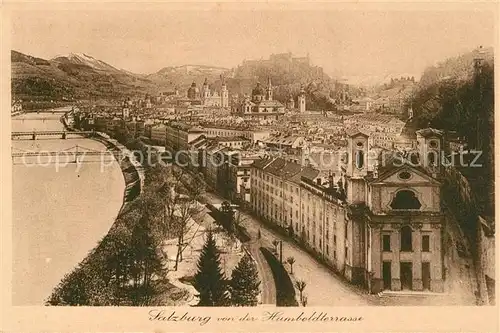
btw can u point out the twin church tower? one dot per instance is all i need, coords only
(208, 97)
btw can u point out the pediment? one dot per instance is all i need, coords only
(406, 175)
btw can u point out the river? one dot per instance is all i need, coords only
(60, 210)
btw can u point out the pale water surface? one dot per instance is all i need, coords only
(59, 214)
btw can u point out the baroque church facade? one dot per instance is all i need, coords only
(261, 105)
(207, 97)
(395, 217)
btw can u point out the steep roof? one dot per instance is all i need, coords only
(262, 162)
(269, 104)
(309, 173)
(276, 166)
(355, 132)
(427, 132)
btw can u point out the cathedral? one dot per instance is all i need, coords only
(261, 105)
(208, 98)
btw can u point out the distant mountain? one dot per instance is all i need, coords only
(84, 60)
(73, 76)
(82, 76)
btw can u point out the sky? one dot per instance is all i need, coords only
(351, 43)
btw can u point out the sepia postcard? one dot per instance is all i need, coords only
(263, 167)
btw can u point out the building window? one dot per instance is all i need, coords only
(327, 234)
(360, 159)
(405, 199)
(327, 249)
(425, 243)
(405, 175)
(431, 158)
(334, 239)
(406, 238)
(386, 243)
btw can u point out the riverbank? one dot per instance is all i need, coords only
(60, 209)
(133, 171)
(88, 283)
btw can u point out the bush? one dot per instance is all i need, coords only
(285, 292)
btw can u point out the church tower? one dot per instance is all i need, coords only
(302, 100)
(205, 92)
(269, 89)
(357, 166)
(224, 94)
(429, 142)
(125, 110)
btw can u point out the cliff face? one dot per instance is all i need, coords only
(459, 96)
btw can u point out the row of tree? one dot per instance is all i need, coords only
(129, 265)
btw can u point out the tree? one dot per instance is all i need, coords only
(244, 285)
(227, 217)
(304, 300)
(290, 261)
(209, 281)
(300, 285)
(146, 261)
(181, 194)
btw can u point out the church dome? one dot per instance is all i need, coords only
(258, 90)
(192, 91)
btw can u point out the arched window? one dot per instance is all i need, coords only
(405, 199)
(406, 235)
(360, 159)
(431, 158)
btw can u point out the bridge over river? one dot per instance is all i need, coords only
(60, 210)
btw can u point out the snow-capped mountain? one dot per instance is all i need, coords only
(85, 60)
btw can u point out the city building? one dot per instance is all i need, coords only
(261, 105)
(380, 228)
(304, 203)
(253, 134)
(290, 144)
(180, 135)
(159, 134)
(235, 175)
(235, 142)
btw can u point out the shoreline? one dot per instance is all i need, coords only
(125, 163)
(133, 174)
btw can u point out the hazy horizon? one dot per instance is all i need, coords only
(352, 43)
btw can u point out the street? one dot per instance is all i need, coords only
(323, 287)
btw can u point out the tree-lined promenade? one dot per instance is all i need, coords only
(129, 266)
